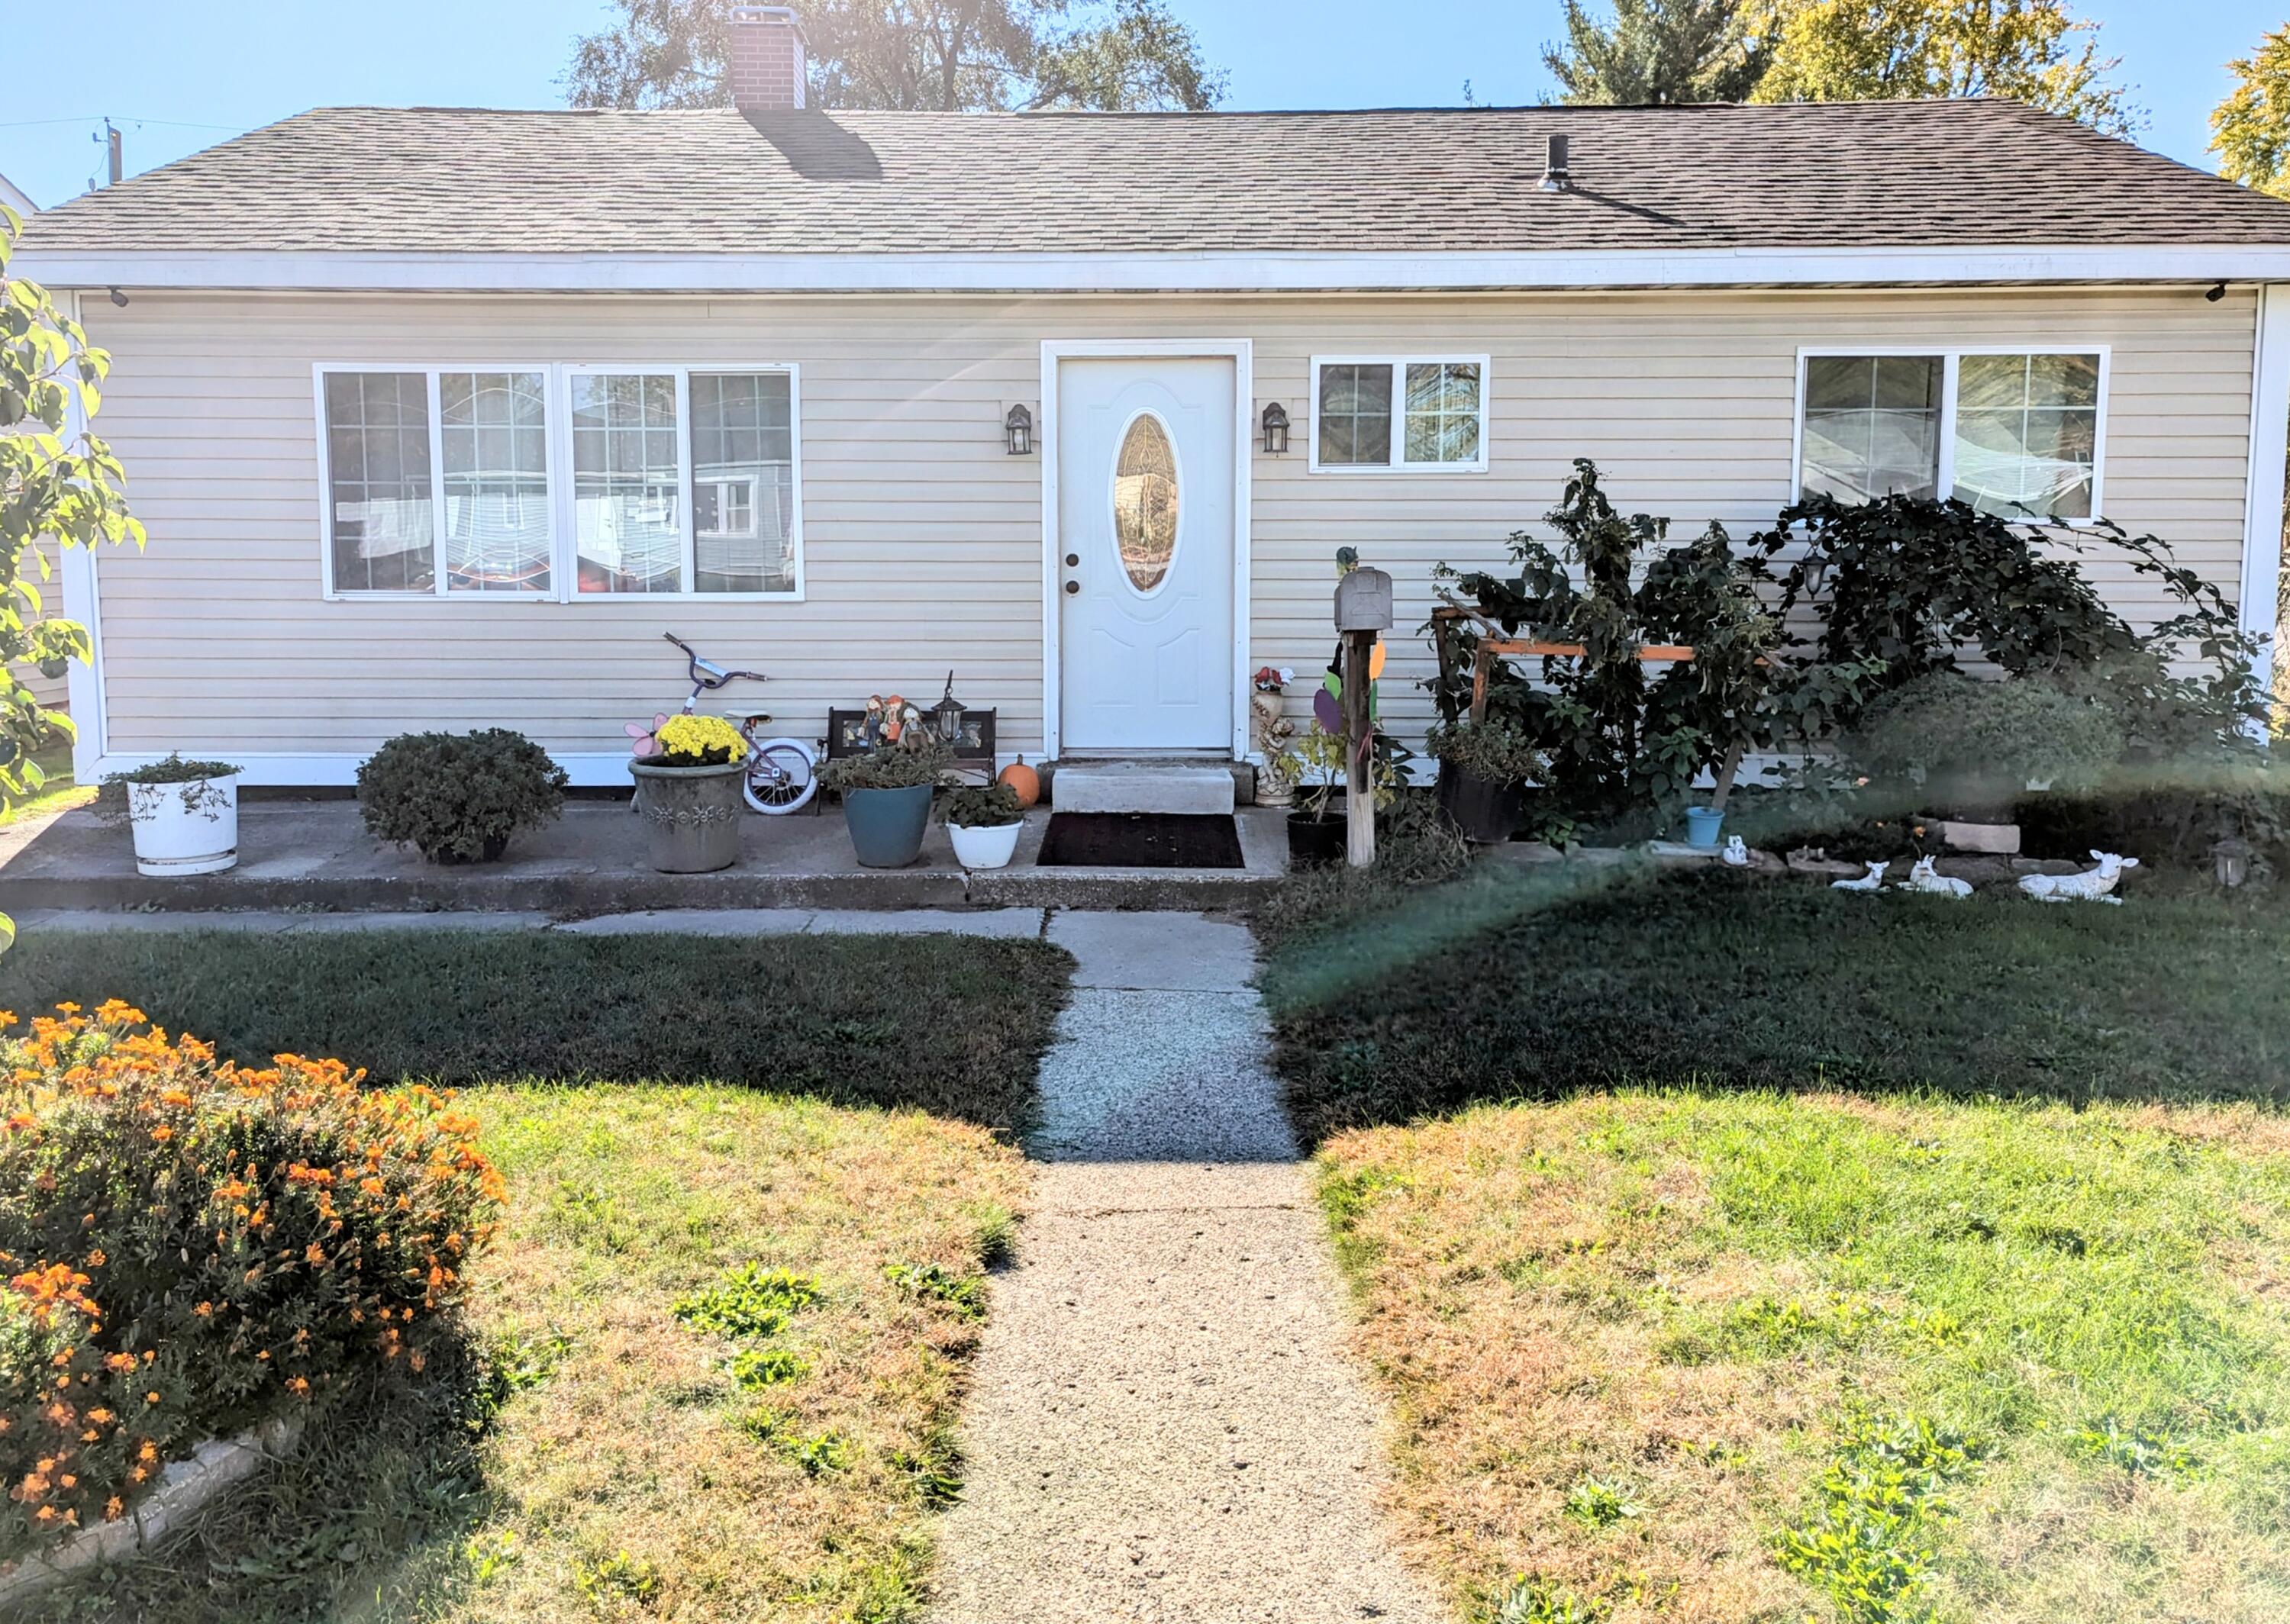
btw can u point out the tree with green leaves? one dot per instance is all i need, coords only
(2250, 130)
(2037, 51)
(1656, 51)
(58, 484)
(927, 55)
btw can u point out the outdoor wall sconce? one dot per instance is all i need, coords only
(1018, 428)
(1276, 430)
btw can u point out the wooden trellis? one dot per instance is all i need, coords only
(1493, 646)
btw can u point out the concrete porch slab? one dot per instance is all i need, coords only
(313, 857)
(1143, 787)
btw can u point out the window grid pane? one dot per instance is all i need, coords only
(2027, 434)
(1355, 415)
(627, 525)
(743, 482)
(1871, 427)
(384, 521)
(494, 427)
(1443, 411)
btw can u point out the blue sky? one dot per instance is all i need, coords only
(180, 75)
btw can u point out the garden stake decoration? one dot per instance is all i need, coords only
(1363, 613)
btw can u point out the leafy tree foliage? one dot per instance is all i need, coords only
(2037, 51)
(930, 55)
(53, 483)
(2250, 130)
(1656, 51)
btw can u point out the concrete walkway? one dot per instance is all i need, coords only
(1163, 1427)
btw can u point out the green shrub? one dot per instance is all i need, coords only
(458, 796)
(983, 806)
(1978, 745)
(191, 1247)
(891, 767)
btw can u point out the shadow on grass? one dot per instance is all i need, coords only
(952, 1025)
(1536, 985)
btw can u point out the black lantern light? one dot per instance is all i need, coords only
(946, 715)
(1018, 428)
(1276, 430)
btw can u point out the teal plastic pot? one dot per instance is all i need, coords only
(1701, 825)
(887, 825)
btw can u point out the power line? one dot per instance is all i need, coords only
(164, 124)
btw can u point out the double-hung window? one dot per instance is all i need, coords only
(561, 482)
(2013, 432)
(1399, 414)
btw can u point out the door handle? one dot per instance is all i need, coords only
(1072, 586)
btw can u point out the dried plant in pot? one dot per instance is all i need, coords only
(886, 799)
(983, 821)
(182, 814)
(1483, 768)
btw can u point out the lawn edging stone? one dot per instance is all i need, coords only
(186, 1488)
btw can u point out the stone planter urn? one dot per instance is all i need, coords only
(692, 815)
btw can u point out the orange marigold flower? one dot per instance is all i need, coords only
(162, 1133)
(151, 1398)
(113, 1508)
(120, 1362)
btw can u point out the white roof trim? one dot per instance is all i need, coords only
(1148, 273)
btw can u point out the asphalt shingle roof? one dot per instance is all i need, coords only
(1874, 174)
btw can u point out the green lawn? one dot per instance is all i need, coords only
(598, 1455)
(1530, 988)
(952, 1025)
(1750, 1358)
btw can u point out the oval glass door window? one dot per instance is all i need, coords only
(1145, 502)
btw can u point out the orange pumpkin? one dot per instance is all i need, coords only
(1024, 780)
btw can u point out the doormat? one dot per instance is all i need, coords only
(1140, 840)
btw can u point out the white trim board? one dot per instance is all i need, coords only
(2270, 436)
(944, 273)
(1241, 352)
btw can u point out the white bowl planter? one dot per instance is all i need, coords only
(989, 847)
(186, 827)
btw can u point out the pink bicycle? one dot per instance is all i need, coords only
(783, 774)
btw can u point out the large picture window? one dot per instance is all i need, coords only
(2016, 433)
(1403, 415)
(561, 482)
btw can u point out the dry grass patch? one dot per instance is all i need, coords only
(719, 1349)
(1636, 1342)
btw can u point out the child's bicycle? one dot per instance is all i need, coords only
(782, 774)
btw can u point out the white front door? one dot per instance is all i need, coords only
(1145, 554)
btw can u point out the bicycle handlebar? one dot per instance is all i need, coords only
(705, 674)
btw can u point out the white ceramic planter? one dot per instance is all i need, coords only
(189, 827)
(992, 847)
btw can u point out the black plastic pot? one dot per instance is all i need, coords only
(1486, 810)
(1316, 843)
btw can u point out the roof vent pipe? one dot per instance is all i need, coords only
(1556, 176)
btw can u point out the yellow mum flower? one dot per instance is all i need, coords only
(692, 741)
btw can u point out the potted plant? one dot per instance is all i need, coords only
(688, 792)
(1319, 827)
(182, 814)
(458, 797)
(1482, 767)
(1972, 747)
(886, 797)
(983, 821)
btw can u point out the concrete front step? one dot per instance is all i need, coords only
(1143, 787)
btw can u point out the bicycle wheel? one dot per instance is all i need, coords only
(781, 776)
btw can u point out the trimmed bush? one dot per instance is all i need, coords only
(190, 1246)
(1978, 744)
(458, 796)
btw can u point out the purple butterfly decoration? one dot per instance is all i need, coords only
(645, 741)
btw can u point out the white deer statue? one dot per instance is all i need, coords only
(2091, 885)
(1925, 878)
(1872, 881)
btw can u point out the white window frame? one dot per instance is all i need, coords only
(1949, 354)
(1398, 363)
(564, 544)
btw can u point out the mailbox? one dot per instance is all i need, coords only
(1363, 602)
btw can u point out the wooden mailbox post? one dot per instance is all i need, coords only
(1362, 611)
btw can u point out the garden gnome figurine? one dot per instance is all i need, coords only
(1271, 730)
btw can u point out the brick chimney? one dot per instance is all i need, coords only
(769, 65)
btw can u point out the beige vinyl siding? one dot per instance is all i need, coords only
(923, 537)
